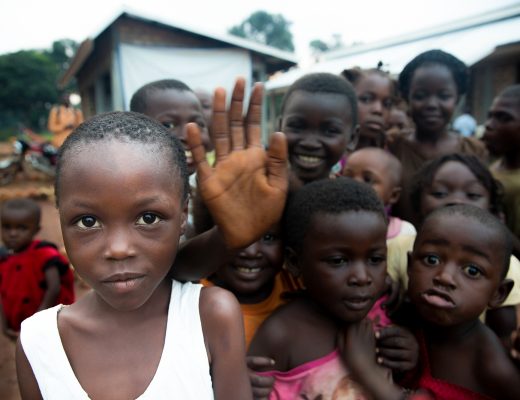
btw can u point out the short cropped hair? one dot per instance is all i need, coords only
(512, 91)
(457, 67)
(323, 82)
(330, 196)
(22, 203)
(485, 218)
(127, 127)
(139, 100)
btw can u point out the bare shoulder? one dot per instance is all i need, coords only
(496, 371)
(274, 337)
(217, 304)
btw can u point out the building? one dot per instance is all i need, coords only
(134, 50)
(488, 43)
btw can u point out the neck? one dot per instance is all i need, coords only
(431, 137)
(450, 334)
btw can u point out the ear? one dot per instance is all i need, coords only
(184, 217)
(501, 293)
(394, 196)
(354, 138)
(291, 261)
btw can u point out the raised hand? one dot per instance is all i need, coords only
(397, 348)
(246, 190)
(261, 385)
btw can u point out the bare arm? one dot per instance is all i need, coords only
(246, 190)
(27, 383)
(224, 335)
(11, 334)
(52, 279)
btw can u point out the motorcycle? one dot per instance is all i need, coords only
(28, 157)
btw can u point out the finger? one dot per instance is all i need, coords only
(256, 362)
(219, 125)
(261, 382)
(197, 151)
(236, 121)
(394, 354)
(254, 117)
(277, 162)
(394, 365)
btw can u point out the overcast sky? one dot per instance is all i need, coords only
(26, 24)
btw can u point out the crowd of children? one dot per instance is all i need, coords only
(368, 252)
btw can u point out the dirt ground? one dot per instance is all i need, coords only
(43, 192)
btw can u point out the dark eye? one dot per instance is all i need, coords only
(438, 194)
(388, 103)
(376, 260)
(269, 237)
(201, 123)
(148, 219)
(445, 96)
(472, 271)
(87, 221)
(365, 98)
(169, 125)
(337, 261)
(368, 178)
(432, 259)
(474, 196)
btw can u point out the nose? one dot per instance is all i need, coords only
(431, 102)
(376, 107)
(454, 199)
(309, 141)
(445, 276)
(358, 275)
(252, 251)
(118, 244)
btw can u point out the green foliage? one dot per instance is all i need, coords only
(263, 27)
(28, 79)
(318, 45)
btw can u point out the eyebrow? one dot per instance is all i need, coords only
(469, 248)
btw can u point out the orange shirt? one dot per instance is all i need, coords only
(255, 314)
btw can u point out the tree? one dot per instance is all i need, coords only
(28, 79)
(318, 46)
(263, 27)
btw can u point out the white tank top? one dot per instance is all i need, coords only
(183, 371)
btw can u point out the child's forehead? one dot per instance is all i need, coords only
(19, 214)
(172, 97)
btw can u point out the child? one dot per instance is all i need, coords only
(319, 118)
(458, 179)
(383, 172)
(256, 278)
(432, 84)
(173, 104)
(502, 138)
(375, 92)
(34, 275)
(121, 191)
(457, 269)
(336, 241)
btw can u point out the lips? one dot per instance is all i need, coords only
(308, 161)
(358, 303)
(374, 125)
(124, 282)
(247, 271)
(438, 299)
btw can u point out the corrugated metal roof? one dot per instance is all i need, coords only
(470, 39)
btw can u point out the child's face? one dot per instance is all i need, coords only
(454, 269)
(433, 97)
(319, 128)
(175, 109)
(374, 94)
(19, 227)
(255, 267)
(454, 183)
(369, 167)
(343, 262)
(121, 214)
(397, 120)
(502, 133)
